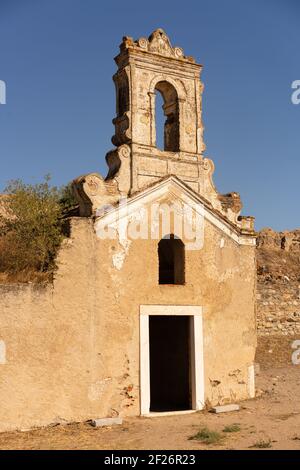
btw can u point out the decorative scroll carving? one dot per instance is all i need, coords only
(93, 192)
(118, 162)
(143, 43)
(208, 165)
(178, 52)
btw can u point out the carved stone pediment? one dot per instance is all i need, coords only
(160, 43)
(157, 43)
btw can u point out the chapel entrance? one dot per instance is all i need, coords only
(170, 384)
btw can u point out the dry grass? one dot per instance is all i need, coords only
(232, 428)
(262, 444)
(24, 277)
(207, 436)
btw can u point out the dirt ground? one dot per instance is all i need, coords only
(271, 420)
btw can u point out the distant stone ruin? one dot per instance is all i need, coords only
(278, 283)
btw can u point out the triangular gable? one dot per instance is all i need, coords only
(109, 215)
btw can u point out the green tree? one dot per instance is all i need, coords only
(67, 198)
(31, 227)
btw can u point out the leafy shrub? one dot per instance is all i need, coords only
(31, 226)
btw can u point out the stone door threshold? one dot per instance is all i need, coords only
(157, 414)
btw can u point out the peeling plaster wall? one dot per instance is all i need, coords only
(70, 352)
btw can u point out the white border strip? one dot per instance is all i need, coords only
(196, 348)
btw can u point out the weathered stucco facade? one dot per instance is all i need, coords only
(80, 348)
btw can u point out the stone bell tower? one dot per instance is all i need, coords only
(147, 67)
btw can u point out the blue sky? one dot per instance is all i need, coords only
(56, 57)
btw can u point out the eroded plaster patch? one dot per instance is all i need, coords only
(97, 388)
(229, 273)
(121, 229)
(251, 381)
(119, 258)
(2, 352)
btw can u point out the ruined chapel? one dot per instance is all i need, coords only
(152, 309)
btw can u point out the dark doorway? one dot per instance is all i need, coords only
(169, 363)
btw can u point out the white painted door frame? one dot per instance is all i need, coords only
(197, 365)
